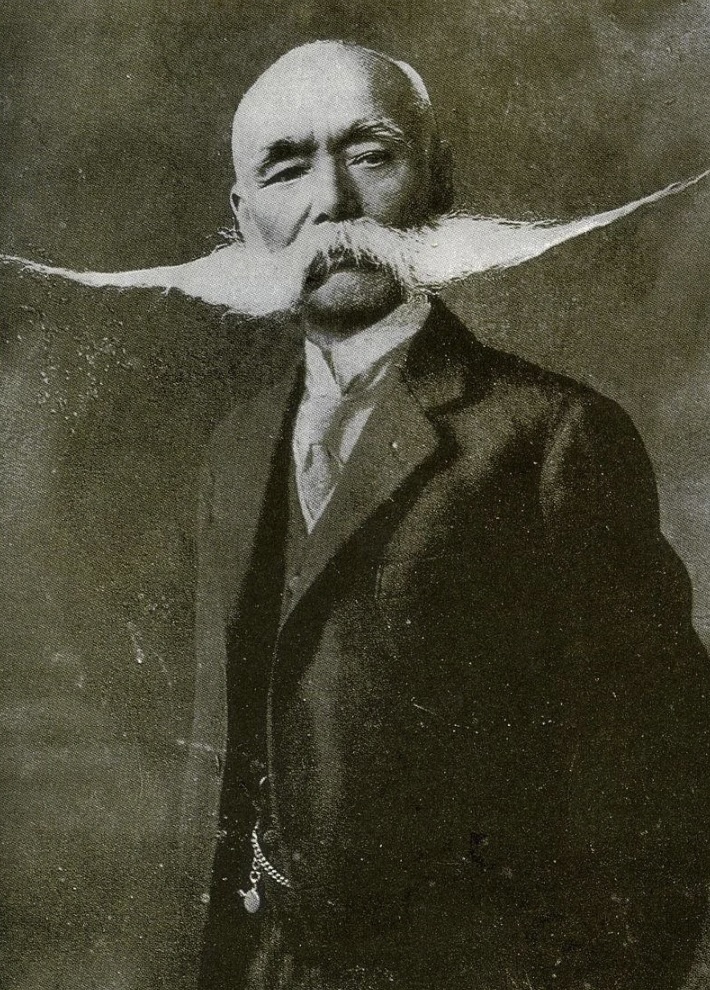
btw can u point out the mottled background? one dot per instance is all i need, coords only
(114, 121)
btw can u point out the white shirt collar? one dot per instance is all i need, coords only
(354, 357)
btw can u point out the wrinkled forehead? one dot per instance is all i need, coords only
(315, 95)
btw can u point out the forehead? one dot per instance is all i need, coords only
(320, 96)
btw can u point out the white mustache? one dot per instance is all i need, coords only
(256, 282)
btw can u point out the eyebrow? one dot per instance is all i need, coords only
(361, 130)
(282, 150)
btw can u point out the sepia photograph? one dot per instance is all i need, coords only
(355, 495)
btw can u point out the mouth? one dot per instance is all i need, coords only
(322, 268)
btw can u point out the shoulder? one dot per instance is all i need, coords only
(260, 404)
(537, 401)
(497, 375)
(536, 419)
(584, 441)
(229, 427)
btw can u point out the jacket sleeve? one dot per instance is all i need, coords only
(636, 850)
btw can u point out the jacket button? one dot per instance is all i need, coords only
(204, 898)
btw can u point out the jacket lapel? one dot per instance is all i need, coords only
(400, 437)
(244, 461)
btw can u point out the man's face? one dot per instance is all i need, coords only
(329, 136)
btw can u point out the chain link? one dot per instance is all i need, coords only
(260, 862)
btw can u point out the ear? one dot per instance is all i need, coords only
(235, 203)
(442, 176)
(246, 229)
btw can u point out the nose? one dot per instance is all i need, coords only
(335, 196)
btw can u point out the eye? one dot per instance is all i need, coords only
(372, 158)
(286, 174)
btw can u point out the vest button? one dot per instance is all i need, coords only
(294, 583)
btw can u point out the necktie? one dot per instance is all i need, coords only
(321, 466)
(319, 477)
(330, 420)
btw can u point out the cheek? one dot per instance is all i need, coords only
(275, 218)
(276, 229)
(398, 200)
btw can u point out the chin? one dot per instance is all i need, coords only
(352, 297)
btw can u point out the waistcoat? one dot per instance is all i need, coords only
(232, 935)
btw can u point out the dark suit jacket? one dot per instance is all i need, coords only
(487, 708)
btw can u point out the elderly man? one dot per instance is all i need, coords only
(451, 725)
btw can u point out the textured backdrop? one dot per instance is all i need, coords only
(114, 120)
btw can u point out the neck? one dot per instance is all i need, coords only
(325, 329)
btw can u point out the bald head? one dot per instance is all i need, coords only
(334, 132)
(326, 77)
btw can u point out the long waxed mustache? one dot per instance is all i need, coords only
(450, 249)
